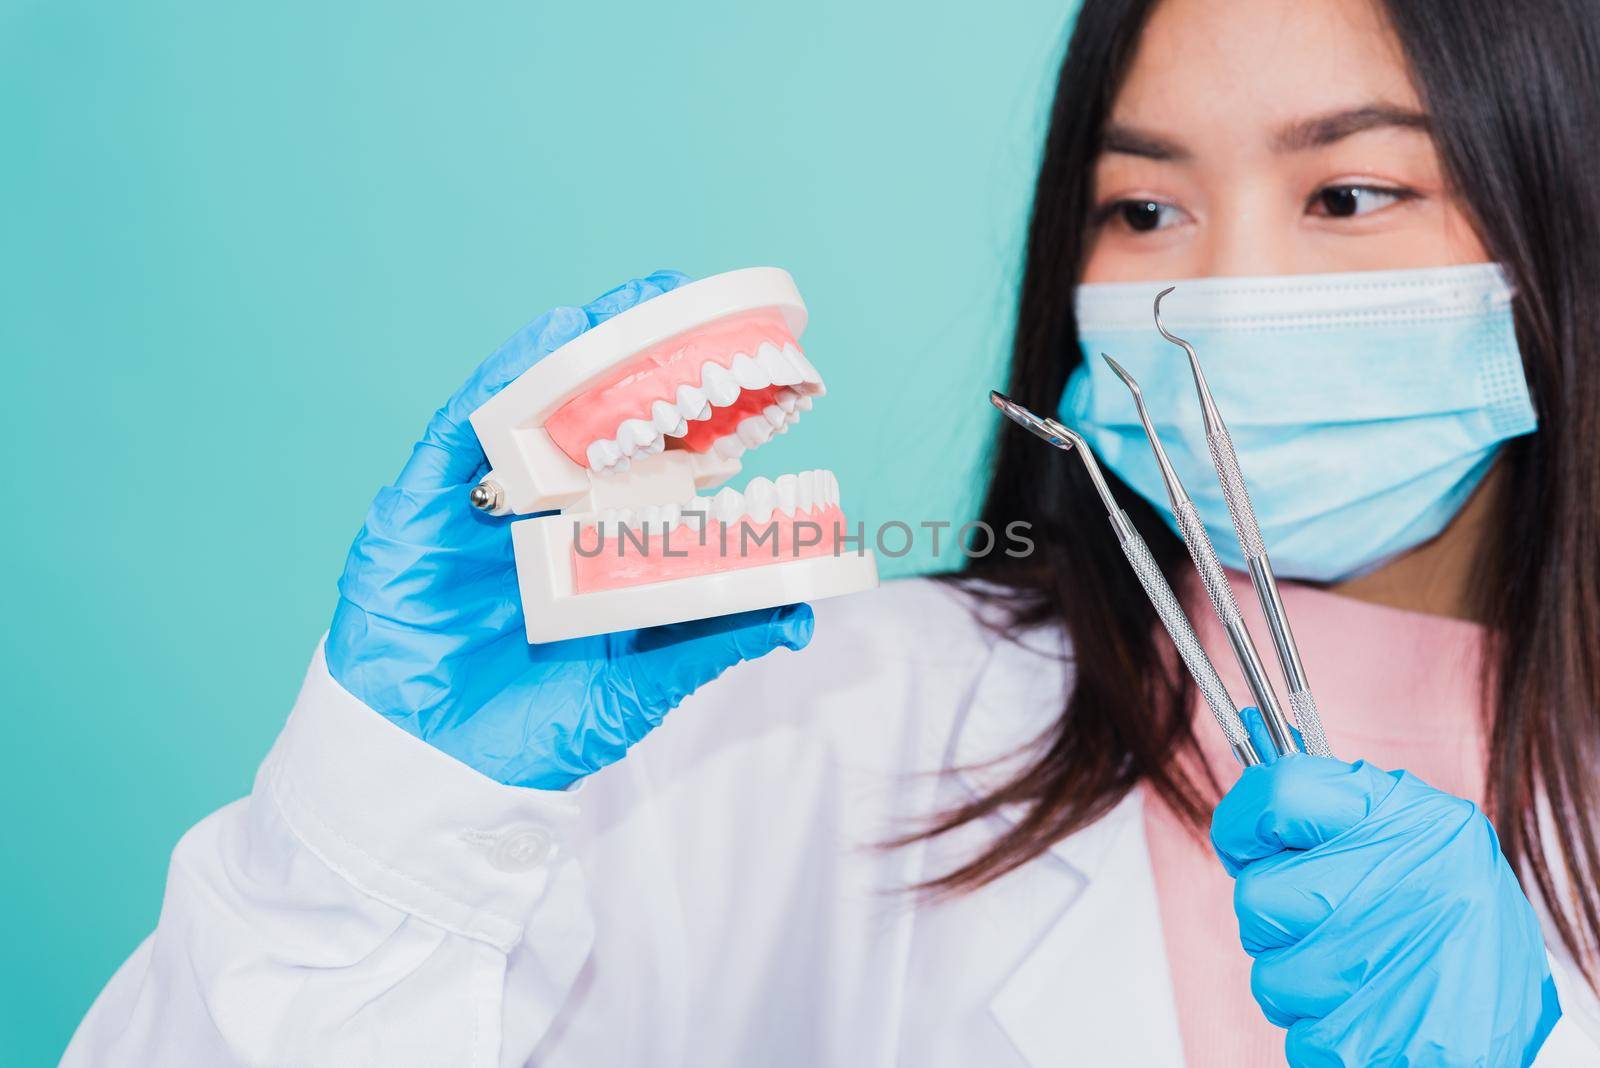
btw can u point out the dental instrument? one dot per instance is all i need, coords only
(1154, 582)
(1237, 495)
(1214, 579)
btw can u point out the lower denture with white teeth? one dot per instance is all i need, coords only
(621, 428)
(796, 517)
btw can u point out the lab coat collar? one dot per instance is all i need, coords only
(1018, 697)
(1094, 988)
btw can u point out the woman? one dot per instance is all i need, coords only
(743, 888)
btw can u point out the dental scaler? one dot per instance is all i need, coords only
(1213, 579)
(1168, 609)
(1245, 527)
(619, 438)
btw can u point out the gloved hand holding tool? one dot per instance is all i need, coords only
(429, 630)
(1385, 925)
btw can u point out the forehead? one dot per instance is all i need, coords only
(1230, 68)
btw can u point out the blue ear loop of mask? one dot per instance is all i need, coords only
(1365, 407)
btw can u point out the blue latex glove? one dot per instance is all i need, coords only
(1385, 925)
(429, 630)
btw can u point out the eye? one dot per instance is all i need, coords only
(1347, 201)
(1141, 215)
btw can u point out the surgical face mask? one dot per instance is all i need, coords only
(1365, 407)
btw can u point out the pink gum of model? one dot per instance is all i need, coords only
(619, 560)
(629, 390)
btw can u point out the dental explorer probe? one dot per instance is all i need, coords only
(1248, 531)
(1154, 582)
(1214, 580)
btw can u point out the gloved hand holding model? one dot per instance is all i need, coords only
(1385, 925)
(429, 630)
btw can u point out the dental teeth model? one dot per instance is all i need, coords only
(618, 433)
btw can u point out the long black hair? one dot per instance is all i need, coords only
(1516, 119)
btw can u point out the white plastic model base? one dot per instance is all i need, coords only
(554, 612)
(618, 430)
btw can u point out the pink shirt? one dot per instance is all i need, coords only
(1400, 689)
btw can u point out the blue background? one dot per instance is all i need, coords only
(248, 249)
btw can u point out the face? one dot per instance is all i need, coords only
(1264, 137)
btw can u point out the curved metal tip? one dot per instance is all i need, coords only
(1175, 491)
(1064, 438)
(1161, 326)
(1208, 406)
(1048, 429)
(1122, 373)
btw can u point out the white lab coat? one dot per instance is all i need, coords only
(720, 897)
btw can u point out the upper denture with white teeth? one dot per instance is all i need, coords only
(786, 368)
(722, 394)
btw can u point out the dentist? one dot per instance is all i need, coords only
(971, 820)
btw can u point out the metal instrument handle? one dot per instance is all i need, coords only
(1190, 651)
(1215, 581)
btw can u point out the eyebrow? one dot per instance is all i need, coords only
(1132, 141)
(1318, 131)
(1322, 130)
